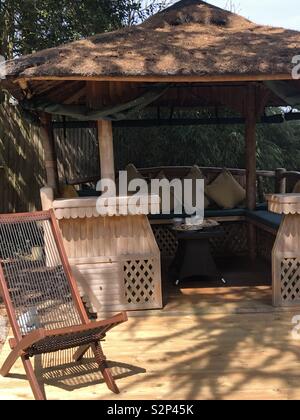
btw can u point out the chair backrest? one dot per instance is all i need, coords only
(35, 277)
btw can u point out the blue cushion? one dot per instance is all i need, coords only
(225, 213)
(262, 206)
(88, 192)
(208, 213)
(272, 220)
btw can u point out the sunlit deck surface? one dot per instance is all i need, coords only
(209, 342)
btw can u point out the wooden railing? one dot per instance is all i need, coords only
(211, 173)
(280, 180)
(286, 180)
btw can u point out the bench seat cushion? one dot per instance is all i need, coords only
(208, 214)
(271, 220)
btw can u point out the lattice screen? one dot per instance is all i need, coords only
(233, 242)
(141, 285)
(290, 280)
(264, 243)
(166, 240)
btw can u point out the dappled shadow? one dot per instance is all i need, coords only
(207, 343)
(222, 356)
(218, 343)
(60, 371)
(198, 39)
(21, 160)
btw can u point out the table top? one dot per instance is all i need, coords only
(284, 203)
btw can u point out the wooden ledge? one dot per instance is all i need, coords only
(284, 203)
(86, 207)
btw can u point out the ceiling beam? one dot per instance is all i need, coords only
(165, 79)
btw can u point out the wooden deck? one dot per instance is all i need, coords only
(208, 343)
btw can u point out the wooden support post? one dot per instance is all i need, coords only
(280, 181)
(251, 119)
(106, 149)
(49, 152)
(97, 97)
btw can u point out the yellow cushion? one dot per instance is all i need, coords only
(226, 191)
(194, 174)
(296, 189)
(68, 191)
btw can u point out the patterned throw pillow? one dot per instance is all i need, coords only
(68, 191)
(194, 174)
(226, 191)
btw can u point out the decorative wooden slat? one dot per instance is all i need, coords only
(140, 283)
(116, 260)
(286, 251)
(290, 281)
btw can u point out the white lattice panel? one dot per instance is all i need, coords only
(142, 286)
(290, 280)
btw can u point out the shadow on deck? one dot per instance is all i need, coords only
(209, 342)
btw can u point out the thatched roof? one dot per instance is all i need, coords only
(190, 38)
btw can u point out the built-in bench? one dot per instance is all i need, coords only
(235, 222)
(266, 218)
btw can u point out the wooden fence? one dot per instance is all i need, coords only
(77, 153)
(21, 162)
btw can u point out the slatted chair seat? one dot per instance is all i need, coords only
(65, 339)
(42, 299)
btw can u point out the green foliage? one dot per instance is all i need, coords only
(136, 11)
(278, 145)
(31, 25)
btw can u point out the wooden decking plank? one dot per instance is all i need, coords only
(201, 355)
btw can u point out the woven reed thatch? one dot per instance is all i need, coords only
(190, 38)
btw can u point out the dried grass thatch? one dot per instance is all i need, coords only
(190, 38)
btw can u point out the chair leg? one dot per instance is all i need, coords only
(36, 389)
(80, 353)
(106, 373)
(9, 362)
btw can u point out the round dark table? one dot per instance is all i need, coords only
(194, 257)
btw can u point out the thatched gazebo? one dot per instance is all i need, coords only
(192, 54)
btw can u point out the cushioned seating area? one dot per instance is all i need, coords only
(272, 220)
(88, 192)
(262, 207)
(225, 213)
(261, 215)
(208, 213)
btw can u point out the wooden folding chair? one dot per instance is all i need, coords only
(42, 299)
